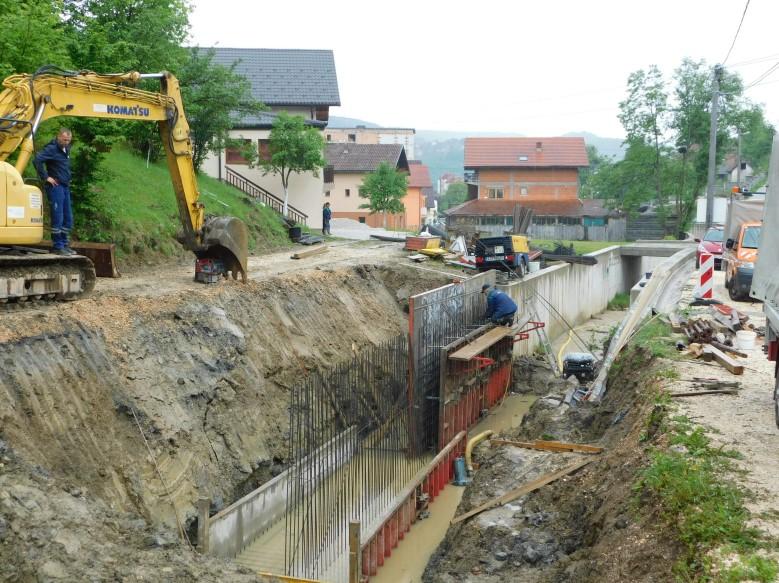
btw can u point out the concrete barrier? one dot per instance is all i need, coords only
(235, 527)
(576, 292)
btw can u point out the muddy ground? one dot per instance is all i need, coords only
(592, 525)
(119, 411)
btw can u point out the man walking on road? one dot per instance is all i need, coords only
(500, 307)
(53, 167)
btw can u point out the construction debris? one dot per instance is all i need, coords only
(309, 252)
(557, 446)
(522, 490)
(712, 353)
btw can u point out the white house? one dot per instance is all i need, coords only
(300, 82)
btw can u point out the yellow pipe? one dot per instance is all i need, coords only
(470, 445)
(560, 354)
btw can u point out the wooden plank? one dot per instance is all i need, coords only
(309, 252)
(723, 359)
(726, 348)
(482, 343)
(522, 490)
(709, 392)
(560, 446)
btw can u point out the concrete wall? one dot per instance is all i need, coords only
(232, 529)
(577, 292)
(306, 192)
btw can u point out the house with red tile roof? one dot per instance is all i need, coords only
(347, 166)
(538, 173)
(524, 168)
(415, 200)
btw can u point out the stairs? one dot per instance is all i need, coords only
(257, 192)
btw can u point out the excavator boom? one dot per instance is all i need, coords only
(28, 100)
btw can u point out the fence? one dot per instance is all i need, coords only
(436, 318)
(363, 407)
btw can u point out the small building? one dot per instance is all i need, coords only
(524, 169)
(415, 200)
(365, 135)
(347, 166)
(571, 220)
(300, 82)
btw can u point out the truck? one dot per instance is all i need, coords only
(220, 244)
(765, 281)
(742, 237)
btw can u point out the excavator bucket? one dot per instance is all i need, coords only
(226, 239)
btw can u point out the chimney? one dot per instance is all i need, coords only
(539, 146)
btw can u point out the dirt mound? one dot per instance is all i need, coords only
(580, 528)
(202, 376)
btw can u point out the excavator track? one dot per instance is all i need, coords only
(44, 276)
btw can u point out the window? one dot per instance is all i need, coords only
(327, 193)
(328, 175)
(523, 190)
(362, 220)
(523, 158)
(233, 155)
(329, 138)
(495, 193)
(352, 137)
(348, 192)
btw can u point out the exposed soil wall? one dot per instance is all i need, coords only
(582, 528)
(205, 374)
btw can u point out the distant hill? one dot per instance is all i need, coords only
(349, 122)
(443, 151)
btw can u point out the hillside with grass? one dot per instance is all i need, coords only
(141, 216)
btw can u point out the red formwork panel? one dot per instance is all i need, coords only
(365, 560)
(374, 544)
(381, 547)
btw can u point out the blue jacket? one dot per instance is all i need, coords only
(326, 214)
(499, 305)
(54, 161)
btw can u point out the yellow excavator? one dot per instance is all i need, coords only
(220, 244)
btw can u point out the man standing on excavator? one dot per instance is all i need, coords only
(500, 307)
(53, 166)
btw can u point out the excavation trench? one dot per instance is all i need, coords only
(118, 413)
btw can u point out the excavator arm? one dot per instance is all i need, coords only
(28, 100)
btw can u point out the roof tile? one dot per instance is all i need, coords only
(285, 76)
(524, 152)
(504, 207)
(364, 157)
(419, 175)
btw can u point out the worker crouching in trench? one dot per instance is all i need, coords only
(501, 309)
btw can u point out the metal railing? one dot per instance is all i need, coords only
(266, 197)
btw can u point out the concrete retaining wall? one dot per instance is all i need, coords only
(232, 529)
(577, 292)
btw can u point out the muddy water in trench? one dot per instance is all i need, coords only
(409, 559)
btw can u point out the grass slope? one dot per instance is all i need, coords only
(143, 206)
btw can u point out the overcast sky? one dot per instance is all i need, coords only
(538, 68)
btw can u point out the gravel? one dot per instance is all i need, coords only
(351, 229)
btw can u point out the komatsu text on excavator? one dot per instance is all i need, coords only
(221, 243)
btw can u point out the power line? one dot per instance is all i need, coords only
(737, 31)
(770, 70)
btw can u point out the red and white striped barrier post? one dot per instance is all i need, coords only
(706, 289)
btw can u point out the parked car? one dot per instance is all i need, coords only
(711, 244)
(740, 257)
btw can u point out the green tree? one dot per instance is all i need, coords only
(456, 193)
(597, 163)
(644, 115)
(215, 98)
(294, 147)
(127, 35)
(31, 35)
(384, 188)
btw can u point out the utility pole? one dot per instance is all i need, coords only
(738, 171)
(713, 146)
